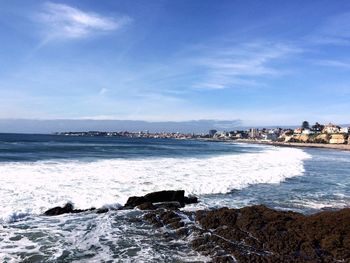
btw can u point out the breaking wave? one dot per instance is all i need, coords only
(32, 187)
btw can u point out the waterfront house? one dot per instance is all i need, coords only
(331, 128)
(344, 130)
(298, 131)
(307, 132)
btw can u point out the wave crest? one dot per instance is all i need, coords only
(37, 186)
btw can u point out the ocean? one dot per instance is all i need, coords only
(38, 172)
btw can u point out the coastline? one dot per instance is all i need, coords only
(342, 147)
(246, 234)
(246, 231)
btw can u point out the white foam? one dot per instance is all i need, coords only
(115, 236)
(321, 204)
(34, 187)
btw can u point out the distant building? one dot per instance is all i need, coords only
(254, 133)
(307, 131)
(287, 132)
(298, 131)
(221, 135)
(344, 130)
(271, 136)
(212, 132)
(331, 128)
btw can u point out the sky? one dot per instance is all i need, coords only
(252, 62)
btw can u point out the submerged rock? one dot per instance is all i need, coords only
(177, 221)
(102, 210)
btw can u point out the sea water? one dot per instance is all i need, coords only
(38, 172)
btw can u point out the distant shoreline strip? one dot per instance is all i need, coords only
(344, 147)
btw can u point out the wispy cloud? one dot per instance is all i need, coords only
(103, 91)
(334, 63)
(64, 22)
(238, 66)
(334, 31)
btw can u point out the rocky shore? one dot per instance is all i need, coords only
(250, 234)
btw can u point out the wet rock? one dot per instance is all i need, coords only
(175, 223)
(102, 210)
(68, 208)
(153, 219)
(224, 259)
(168, 205)
(183, 232)
(191, 199)
(166, 196)
(134, 201)
(169, 197)
(154, 206)
(76, 211)
(169, 217)
(260, 234)
(146, 206)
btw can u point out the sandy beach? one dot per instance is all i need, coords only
(344, 147)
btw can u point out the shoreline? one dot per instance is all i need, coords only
(342, 147)
(246, 234)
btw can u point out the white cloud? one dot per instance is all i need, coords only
(62, 21)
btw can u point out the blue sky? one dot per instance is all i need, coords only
(261, 62)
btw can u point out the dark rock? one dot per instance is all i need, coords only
(176, 224)
(146, 206)
(76, 211)
(260, 234)
(182, 232)
(157, 197)
(135, 201)
(68, 208)
(166, 196)
(102, 210)
(224, 259)
(168, 205)
(153, 218)
(191, 199)
(167, 218)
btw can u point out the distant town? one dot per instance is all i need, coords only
(306, 133)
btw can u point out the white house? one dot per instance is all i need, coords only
(331, 128)
(298, 131)
(307, 132)
(344, 130)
